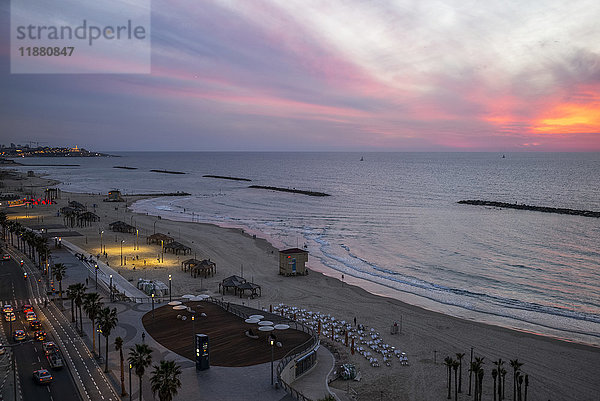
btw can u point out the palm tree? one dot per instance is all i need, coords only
(92, 306)
(499, 364)
(59, 272)
(107, 320)
(459, 357)
(503, 374)
(448, 362)
(79, 293)
(494, 376)
(71, 295)
(455, 365)
(526, 385)
(165, 380)
(3, 221)
(481, 373)
(519, 385)
(474, 368)
(119, 347)
(140, 358)
(516, 365)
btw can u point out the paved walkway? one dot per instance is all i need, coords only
(216, 383)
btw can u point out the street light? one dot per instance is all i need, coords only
(136, 245)
(130, 381)
(170, 288)
(155, 226)
(96, 269)
(272, 340)
(162, 251)
(101, 250)
(152, 306)
(111, 289)
(99, 347)
(122, 241)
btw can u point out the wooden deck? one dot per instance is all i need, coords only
(229, 346)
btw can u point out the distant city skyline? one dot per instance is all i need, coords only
(323, 76)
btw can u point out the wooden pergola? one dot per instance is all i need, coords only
(205, 267)
(243, 287)
(87, 218)
(122, 227)
(175, 248)
(231, 282)
(158, 237)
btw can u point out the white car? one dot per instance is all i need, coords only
(2, 349)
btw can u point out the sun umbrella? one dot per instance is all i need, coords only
(175, 303)
(179, 307)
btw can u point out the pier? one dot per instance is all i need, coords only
(223, 177)
(292, 190)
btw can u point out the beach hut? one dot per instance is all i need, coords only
(292, 262)
(51, 194)
(251, 287)
(114, 196)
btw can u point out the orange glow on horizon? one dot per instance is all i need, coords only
(569, 118)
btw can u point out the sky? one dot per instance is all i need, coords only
(347, 75)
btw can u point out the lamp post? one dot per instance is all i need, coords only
(155, 226)
(111, 289)
(122, 241)
(272, 340)
(170, 297)
(96, 269)
(162, 251)
(101, 250)
(99, 347)
(130, 381)
(137, 236)
(152, 306)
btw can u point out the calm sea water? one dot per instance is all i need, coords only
(392, 224)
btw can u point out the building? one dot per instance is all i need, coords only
(114, 196)
(292, 262)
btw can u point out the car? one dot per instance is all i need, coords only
(30, 316)
(19, 335)
(39, 335)
(27, 308)
(2, 349)
(49, 348)
(6, 256)
(55, 361)
(10, 317)
(35, 325)
(42, 376)
(7, 308)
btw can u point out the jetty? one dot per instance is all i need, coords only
(126, 167)
(167, 172)
(223, 177)
(544, 209)
(178, 193)
(292, 190)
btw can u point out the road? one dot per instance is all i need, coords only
(30, 355)
(81, 378)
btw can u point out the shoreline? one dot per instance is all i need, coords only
(561, 369)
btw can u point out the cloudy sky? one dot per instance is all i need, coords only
(405, 75)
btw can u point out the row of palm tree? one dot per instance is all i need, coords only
(32, 244)
(498, 375)
(165, 378)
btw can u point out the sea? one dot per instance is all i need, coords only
(392, 224)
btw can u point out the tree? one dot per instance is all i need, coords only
(107, 320)
(448, 362)
(526, 385)
(503, 374)
(499, 364)
(459, 357)
(119, 347)
(494, 376)
(59, 273)
(140, 358)
(71, 295)
(516, 365)
(481, 373)
(165, 380)
(455, 365)
(79, 292)
(92, 307)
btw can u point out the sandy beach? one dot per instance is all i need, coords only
(558, 370)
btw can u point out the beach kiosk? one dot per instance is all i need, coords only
(292, 262)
